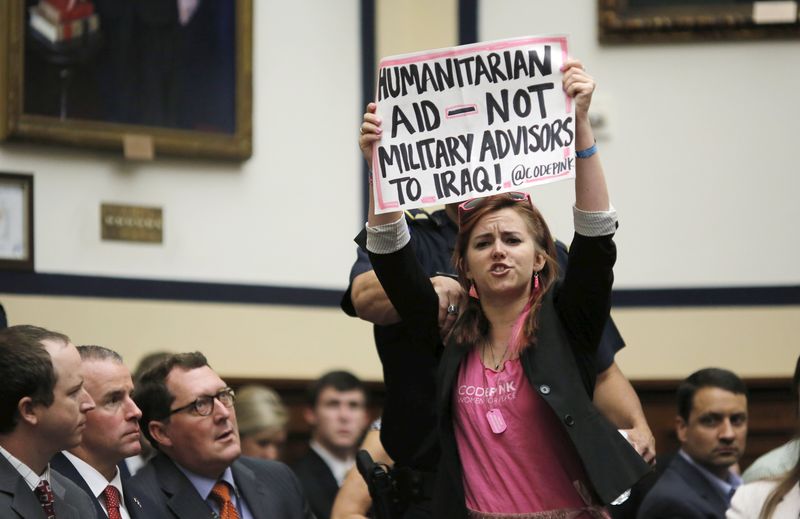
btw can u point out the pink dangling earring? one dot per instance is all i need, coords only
(472, 292)
(535, 281)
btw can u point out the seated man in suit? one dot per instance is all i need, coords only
(712, 428)
(337, 414)
(43, 408)
(188, 417)
(111, 435)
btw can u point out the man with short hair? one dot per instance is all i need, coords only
(337, 414)
(712, 428)
(111, 435)
(43, 407)
(188, 417)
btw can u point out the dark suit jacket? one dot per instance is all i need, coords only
(18, 501)
(269, 488)
(682, 492)
(318, 483)
(560, 366)
(137, 505)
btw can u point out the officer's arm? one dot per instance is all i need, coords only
(370, 300)
(616, 399)
(372, 304)
(353, 500)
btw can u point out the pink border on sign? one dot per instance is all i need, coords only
(456, 107)
(459, 51)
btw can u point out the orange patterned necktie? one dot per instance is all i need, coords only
(222, 493)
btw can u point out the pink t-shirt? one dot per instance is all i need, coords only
(528, 464)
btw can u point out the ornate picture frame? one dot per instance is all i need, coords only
(16, 221)
(147, 83)
(649, 21)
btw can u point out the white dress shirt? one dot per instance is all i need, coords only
(31, 478)
(97, 483)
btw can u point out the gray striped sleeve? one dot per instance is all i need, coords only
(595, 223)
(389, 237)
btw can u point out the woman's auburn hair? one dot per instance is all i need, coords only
(472, 325)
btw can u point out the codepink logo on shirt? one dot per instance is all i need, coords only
(503, 392)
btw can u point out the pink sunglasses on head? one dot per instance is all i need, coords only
(474, 203)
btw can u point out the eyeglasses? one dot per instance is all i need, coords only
(204, 404)
(474, 203)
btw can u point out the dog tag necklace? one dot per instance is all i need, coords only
(497, 422)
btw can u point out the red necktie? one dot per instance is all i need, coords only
(112, 502)
(45, 496)
(222, 493)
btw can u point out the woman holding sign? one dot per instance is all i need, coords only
(517, 429)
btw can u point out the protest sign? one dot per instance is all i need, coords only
(471, 121)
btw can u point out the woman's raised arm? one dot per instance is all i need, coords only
(591, 193)
(370, 134)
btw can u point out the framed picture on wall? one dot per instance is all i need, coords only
(164, 77)
(640, 21)
(16, 221)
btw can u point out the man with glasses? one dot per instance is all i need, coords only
(188, 416)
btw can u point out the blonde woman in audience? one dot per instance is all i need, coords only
(262, 422)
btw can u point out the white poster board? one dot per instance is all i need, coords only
(471, 121)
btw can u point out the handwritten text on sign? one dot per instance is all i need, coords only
(471, 121)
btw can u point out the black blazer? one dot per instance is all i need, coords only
(318, 483)
(561, 365)
(137, 505)
(269, 488)
(682, 492)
